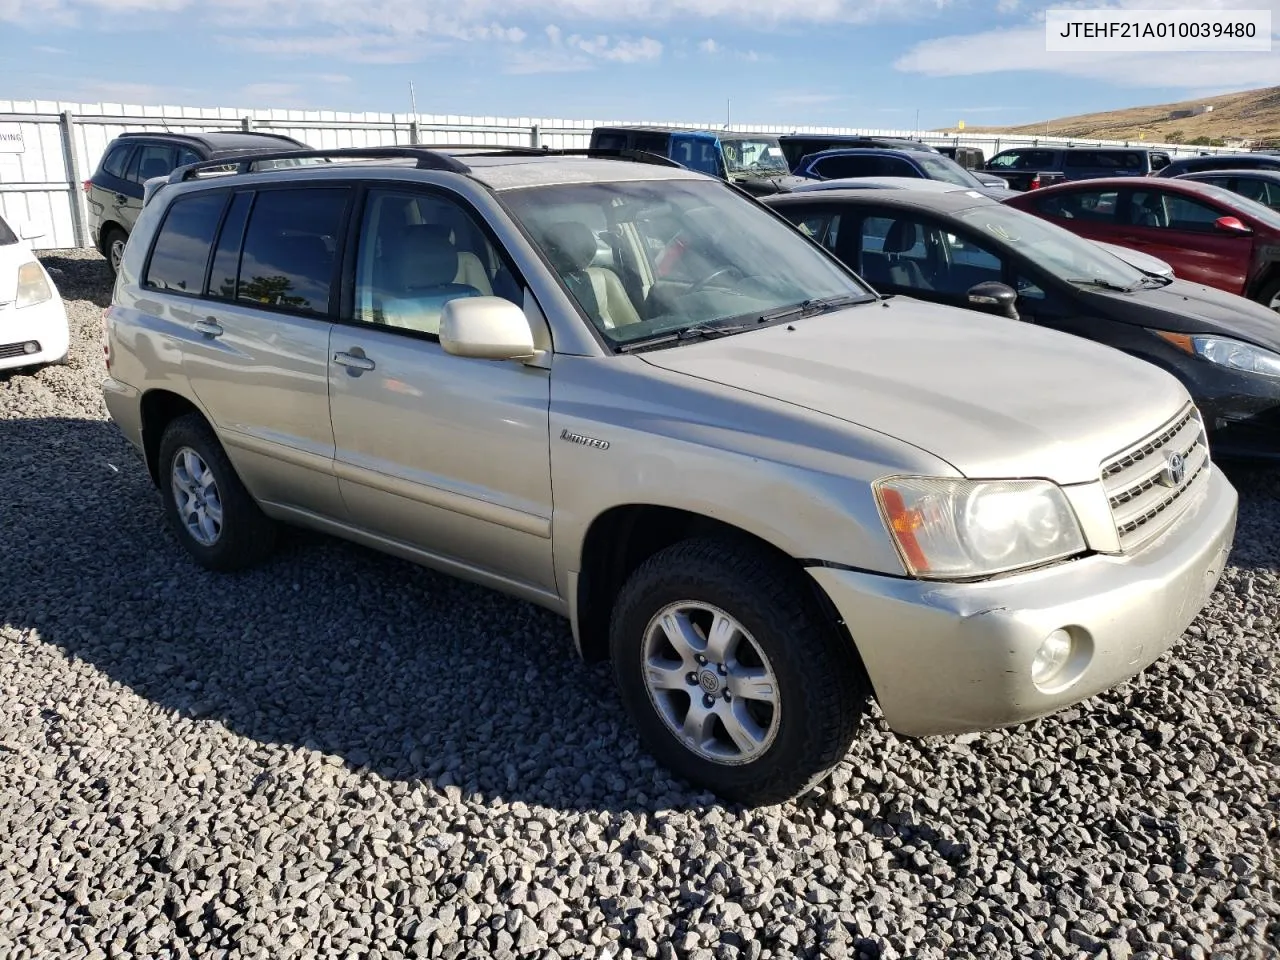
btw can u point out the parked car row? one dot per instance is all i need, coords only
(768, 472)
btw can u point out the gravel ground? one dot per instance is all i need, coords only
(342, 755)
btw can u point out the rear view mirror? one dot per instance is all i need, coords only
(1230, 225)
(486, 328)
(994, 297)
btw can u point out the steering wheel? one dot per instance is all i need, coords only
(706, 281)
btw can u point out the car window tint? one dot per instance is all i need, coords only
(611, 141)
(822, 226)
(1092, 205)
(417, 252)
(835, 168)
(226, 256)
(1153, 208)
(1028, 289)
(289, 249)
(964, 262)
(152, 160)
(181, 251)
(896, 167)
(186, 156)
(7, 234)
(115, 160)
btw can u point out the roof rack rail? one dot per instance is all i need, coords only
(434, 157)
(428, 159)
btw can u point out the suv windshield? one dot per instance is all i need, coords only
(1058, 251)
(947, 170)
(760, 155)
(648, 258)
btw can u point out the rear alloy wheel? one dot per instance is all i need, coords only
(732, 674)
(207, 506)
(1269, 294)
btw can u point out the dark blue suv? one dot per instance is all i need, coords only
(847, 162)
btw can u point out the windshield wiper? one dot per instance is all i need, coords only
(1155, 278)
(810, 307)
(698, 331)
(1099, 282)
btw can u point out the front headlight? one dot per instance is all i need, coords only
(1226, 352)
(952, 529)
(33, 287)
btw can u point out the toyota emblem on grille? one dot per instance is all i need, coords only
(1175, 470)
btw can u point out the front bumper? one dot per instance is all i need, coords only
(44, 324)
(954, 658)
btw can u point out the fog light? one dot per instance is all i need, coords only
(30, 347)
(1052, 656)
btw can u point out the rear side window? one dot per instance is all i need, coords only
(115, 160)
(290, 248)
(181, 253)
(226, 257)
(610, 141)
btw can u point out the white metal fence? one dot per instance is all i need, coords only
(47, 149)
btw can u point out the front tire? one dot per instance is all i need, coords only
(207, 506)
(732, 674)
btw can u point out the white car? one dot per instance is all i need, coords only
(33, 319)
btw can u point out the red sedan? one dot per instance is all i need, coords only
(1209, 235)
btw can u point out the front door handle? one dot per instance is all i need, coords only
(354, 362)
(121, 198)
(210, 327)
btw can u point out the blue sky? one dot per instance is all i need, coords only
(841, 62)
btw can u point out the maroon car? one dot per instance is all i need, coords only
(1209, 235)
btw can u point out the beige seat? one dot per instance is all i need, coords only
(571, 247)
(470, 270)
(422, 281)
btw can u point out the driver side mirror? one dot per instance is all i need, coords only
(993, 297)
(1231, 225)
(486, 328)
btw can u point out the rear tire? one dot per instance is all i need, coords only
(207, 506)
(1269, 294)
(113, 244)
(761, 723)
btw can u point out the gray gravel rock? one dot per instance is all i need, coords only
(344, 755)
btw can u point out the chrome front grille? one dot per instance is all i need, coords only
(1144, 484)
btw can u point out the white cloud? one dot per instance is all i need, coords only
(270, 93)
(1022, 48)
(709, 46)
(573, 53)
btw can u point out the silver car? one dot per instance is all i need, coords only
(630, 394)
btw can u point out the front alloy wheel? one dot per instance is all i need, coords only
(710, 683)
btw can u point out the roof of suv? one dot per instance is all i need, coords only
(216, 143)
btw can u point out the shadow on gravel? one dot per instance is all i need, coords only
(80, 278)
(410, 674)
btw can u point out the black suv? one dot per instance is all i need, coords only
(114, 192)
(1221, 161)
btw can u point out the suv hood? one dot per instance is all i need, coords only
(1185, 307)
(993, 397)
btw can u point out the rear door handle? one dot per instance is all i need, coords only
(210, 327)
(353, 361)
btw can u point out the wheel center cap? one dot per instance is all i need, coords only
(709, 681)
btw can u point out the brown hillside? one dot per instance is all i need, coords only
(1251, 114)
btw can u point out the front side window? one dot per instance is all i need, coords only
(151, 160)
(1171, 211)
(684, 253)
(419, 251)
(290, 247)
(181, 251)
(917, 254)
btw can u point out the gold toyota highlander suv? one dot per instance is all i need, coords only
(631, 394)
